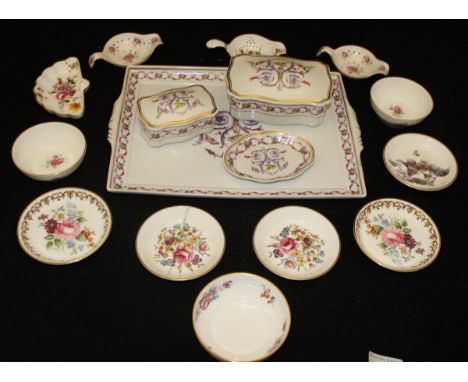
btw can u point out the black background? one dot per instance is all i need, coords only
(108, 307)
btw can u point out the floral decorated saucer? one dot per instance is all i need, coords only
(296, 243)
(420, 161)
(127, 49)
(64, 226)
(251, 44)
(180, 243)
(49, 151)
(397, 235)
(241, 317)
(355, 61)
(268, 156)
(60, 89)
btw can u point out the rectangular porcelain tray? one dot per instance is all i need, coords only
(195, 168)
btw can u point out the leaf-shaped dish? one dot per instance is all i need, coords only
(127, 49)
(269, 156)
(60, 89)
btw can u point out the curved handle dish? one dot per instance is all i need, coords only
(325, 49)
(94, 57)
(215, 43)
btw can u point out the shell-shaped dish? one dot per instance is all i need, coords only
(268, 156)
(127, 49)
(241, 317)
(355, 61)
(251, 44)
(60, 89)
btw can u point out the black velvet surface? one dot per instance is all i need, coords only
(108, 307)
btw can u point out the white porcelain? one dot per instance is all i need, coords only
(49, 151)
(420, 161)
(251, 44)
(60, 89)
(268, 156)
(180, 243)
(397, 235)
(400, 102)
(355, 61)
(64, 226)
(127, 49)
(241, 317)
(296, 243)
(278, 90)
(194, 168)
(176, 115)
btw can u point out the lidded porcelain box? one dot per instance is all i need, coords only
(278, 90)
(176, 115)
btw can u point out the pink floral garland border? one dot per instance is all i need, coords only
(124, 132)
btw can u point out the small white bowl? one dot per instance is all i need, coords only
(296, 243)
(49, 151)
(400, 102)
(241, 317)
(420, 161)
(180, 243)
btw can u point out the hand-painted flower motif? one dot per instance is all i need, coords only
(267, 161)
(226, 130)
(129, 57)
(418, 171)
(397, 111)
(280, 74)
(64, 92)
(55, 161)
(297, 248)
(136, 41)
(179, 102)
(394, 237)
(211, 295)
(65, 230)
(266, 294)
(182, 247)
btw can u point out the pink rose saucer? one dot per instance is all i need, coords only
(180, 243)
(296, 243)
(64, 226)
(397, 235)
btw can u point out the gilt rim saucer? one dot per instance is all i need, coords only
(397, 235)
(428, 164)
(180, 243)
(64, 226)
(269, 156)
(297, 243)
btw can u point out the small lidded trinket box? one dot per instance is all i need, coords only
(176, 115)
(278, 90)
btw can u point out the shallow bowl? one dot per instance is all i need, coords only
(400, 102)
(49, 151)
(180, 243)
(296, 243)
(241, 317)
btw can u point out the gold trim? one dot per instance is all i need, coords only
(206, 114)
(280, 273)
(268, 132)
(412, 185)
(375, 260)
(50, 193)
(217, 356)
(189, 277)
(244, 97)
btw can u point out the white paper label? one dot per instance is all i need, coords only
(374, 357)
